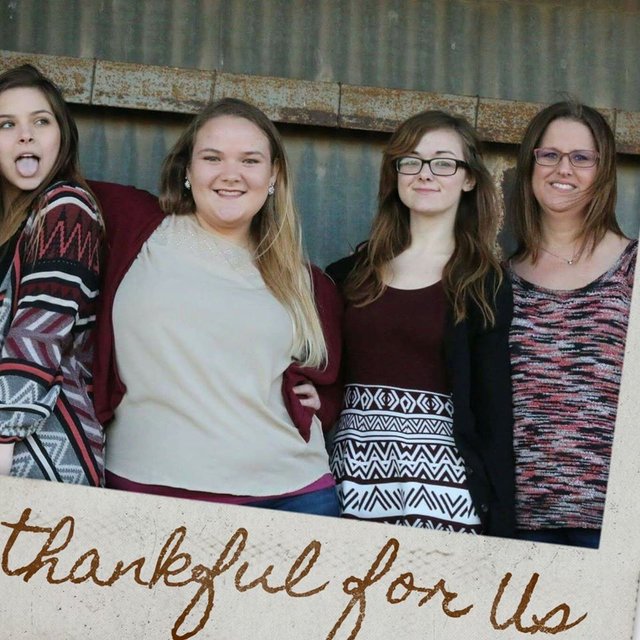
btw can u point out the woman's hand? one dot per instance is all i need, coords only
(308, 395)
(6, 458)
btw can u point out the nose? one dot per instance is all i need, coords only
(26, 134)
(565, 166)
(230, 171)
(425, 172)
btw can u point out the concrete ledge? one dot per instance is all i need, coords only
(73, 75)
(376, 109)
(324, 104)
(137, 86)
(504, 120)
(628, 132)
(283, 99)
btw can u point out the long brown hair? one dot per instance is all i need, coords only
(66, 165)
(475, 226)
(600, 217)
(275, 229)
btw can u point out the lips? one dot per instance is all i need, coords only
(27, 165)
(229, 193)
(562, 186)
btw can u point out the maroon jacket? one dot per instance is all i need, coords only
(131, 216)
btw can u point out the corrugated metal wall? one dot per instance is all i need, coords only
(522, 50)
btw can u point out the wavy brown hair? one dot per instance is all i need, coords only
(66, 166)
(275, 229)
(465, 274)
(600, 211)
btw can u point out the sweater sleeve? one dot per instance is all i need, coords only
(491, 404)
(325, 380)
(50, 305)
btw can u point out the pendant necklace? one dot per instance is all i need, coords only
(573, 260)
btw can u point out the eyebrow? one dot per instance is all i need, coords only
(572, 150)
(244, 153)
(33, 113)
(437, 153)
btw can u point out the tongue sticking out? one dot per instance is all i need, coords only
(27, 166)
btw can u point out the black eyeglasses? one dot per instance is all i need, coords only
(411, 166)
(580, 158)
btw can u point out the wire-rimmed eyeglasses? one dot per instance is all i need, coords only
(411, 166)
(580, 158)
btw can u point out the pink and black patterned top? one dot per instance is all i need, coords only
(48, 301)
(567, 349)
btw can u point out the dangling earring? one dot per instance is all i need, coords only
(187, 184)
(271, 190)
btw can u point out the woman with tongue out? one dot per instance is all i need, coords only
(572, 275)
(50, 238)
(211, 352)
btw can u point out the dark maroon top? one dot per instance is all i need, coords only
(398, 340)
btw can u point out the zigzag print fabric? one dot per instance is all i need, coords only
(47, 313)
(395, 461)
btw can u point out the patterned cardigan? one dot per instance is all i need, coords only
(47, 313)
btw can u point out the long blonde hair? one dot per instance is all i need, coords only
(475, 227)
(275, 229)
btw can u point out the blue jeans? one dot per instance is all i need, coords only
(573, 537)
(323, 502)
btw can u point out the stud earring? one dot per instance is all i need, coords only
(271, 190)
(187, 184)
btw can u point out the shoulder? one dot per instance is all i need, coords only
(499, 294)
(65, 207)
(339, 270)
(125, 204)
(324, 289)
(496, 284)
(627, 262)
(319, 277)
(629, 255)
(69, 193)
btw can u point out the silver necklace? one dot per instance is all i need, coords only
(573, 260)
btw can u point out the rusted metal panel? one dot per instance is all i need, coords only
(528, 51)
(544, 50)
(283, 99)
(137, 86)
(378, 109)
(172, 90)
(504, 120)
(74, 76)
(628, 132)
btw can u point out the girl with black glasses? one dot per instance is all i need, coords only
(425, 435)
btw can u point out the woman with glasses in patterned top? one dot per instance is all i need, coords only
(572, 275)
(425, 435)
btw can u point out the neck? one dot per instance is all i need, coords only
(562, 234)
(432, 234)
(237, 236)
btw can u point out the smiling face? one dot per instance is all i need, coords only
(230, 172)
(29, 140)
(564, 189)
(426, 194)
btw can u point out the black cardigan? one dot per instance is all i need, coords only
(479, 374)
